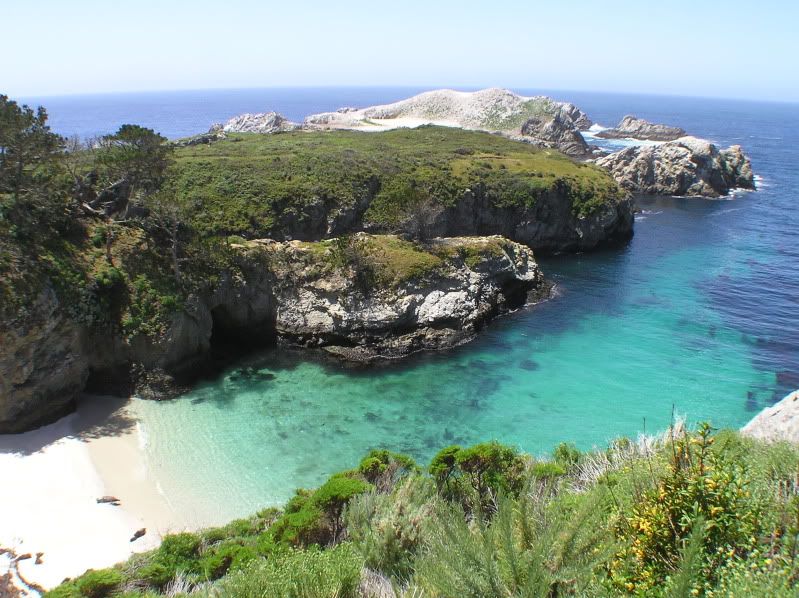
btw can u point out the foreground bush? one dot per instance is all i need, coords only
(333, 573)
(683, 514)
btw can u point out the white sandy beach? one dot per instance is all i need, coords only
(52, 478)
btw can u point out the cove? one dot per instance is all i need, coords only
(631, 336)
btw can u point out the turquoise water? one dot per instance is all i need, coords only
(629, 337)
(698, 316)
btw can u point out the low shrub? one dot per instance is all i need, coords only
(700, 487)
(311, 573)
(480, 472)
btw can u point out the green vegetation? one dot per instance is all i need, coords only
(684, 514)
(254, 185)
(125, 227)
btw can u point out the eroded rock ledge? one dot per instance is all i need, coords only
(362, 298)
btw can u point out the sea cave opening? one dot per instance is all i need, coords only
(233, 336)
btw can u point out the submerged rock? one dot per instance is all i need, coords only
(687, 166)
(778, 422)
(638, 128)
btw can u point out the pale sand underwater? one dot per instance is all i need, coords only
(52, 478)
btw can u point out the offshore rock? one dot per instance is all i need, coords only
(687, 166)
(638, 128)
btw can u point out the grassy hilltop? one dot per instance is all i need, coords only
(246, 183)
(685, 514)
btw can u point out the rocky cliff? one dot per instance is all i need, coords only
(363, 298)
(631, 127)
(687, 166)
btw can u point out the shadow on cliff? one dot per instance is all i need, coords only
(95, 417)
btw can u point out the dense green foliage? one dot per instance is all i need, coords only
(253, 185)
(124, 228)
(684, 514)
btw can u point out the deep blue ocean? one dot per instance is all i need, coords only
(699, 315)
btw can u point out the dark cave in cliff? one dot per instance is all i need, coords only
(232, 338)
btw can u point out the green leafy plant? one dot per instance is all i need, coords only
(700, 487)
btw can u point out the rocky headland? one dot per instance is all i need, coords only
(687, 166)
(631, 127)
(264, 231)
(538, 120)
(690, 166)
(362, 298)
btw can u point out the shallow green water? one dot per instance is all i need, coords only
(629, 337)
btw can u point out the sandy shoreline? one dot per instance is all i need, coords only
(52, 478)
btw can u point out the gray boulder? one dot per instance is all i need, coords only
(687, 166)
(555, 132)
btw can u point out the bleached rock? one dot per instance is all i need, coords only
(778, 422)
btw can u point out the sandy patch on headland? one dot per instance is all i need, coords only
(51, 480)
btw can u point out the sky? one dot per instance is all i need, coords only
(713, 48)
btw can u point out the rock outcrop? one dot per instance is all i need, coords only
(359, 305)
(555, 132)
(488, 110)
(638, 128)
(476, 279)
(778, 422)
(687, 166)
(266, 122)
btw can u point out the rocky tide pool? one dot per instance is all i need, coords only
(697, 316)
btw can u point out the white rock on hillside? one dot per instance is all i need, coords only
(778, 422)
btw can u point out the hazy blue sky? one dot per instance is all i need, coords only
(731, 48)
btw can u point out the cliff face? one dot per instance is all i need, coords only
(550, 225)
(42, 368)
(369, 298)
(688, 166)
